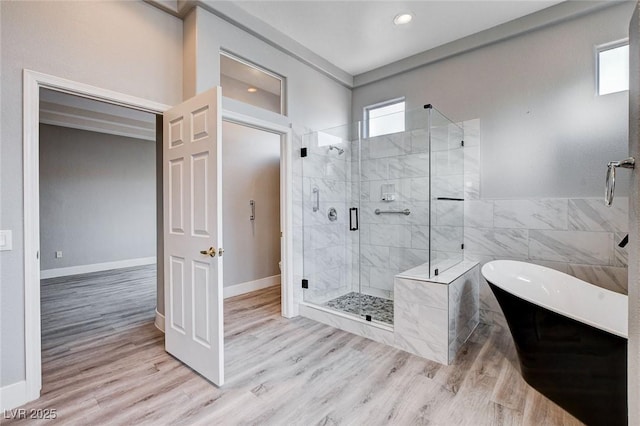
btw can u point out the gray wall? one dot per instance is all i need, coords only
(250, 171)
(97, 197)
(130, 47)
(544, 131)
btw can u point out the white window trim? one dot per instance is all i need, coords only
(601, 48)
(368, 108)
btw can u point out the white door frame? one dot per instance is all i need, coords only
(33, 81)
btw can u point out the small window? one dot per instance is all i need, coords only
(613, 68)
(384, 118)
(248, 83)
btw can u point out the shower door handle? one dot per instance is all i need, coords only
(610, 183)
(353, 219)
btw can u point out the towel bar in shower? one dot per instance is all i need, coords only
(404, 212)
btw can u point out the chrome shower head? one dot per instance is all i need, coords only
(340, 150)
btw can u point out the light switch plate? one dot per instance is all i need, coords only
(6, 240)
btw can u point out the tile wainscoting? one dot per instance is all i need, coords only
(578, 236)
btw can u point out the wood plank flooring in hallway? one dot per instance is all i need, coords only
(104, 363)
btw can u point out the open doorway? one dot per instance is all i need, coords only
(251, 170)
(98, 182)
(33, 82)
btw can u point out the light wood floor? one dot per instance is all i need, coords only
(104, 363)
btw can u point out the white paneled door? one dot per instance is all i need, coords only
(193, 234)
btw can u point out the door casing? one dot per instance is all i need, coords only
(33, 81)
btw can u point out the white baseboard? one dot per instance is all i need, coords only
(15, 395)
(159, 322)
(249, 286)
(96, 267)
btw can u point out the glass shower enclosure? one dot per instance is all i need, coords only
(378, 205)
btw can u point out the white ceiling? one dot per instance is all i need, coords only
(358, 36)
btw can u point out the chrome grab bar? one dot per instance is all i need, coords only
(610, 183)
(317, 204)
(252, 203)
(404, 212)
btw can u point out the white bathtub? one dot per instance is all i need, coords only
(570, 337)
(561, 293)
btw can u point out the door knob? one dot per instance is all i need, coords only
(211, 252)
(220, 251)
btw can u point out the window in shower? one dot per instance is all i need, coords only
(384, 118)
(613, 67)
(247, 82)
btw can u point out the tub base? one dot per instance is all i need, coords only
(581, 368)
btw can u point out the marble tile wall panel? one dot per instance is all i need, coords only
(471, 159)
(620, 254)
(381, 278)
(496, 242)
(321, 236)
(471, 190)
(592, 248)
(409, 166)
(376, 169)
(329, 189)
(530, 214)
(419, 141)
(447, 186)
(377, 256)
(402, 259)
(448, 212)
(420, 237)
(593, 215)
(388, 145)
(390, 235)
(609, 277)
(450, 162)
(428, 294)
(446, 238)
(421, 319)
(420, 213)
(419, 189)
(478, 214)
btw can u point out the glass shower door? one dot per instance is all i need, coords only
(330, 218)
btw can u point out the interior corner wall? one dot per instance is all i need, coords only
(545, 132)
(97, 197)
(250, 171)
(129, 47)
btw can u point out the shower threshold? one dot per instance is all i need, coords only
(380, 309)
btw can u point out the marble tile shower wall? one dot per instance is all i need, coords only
(326, 258)
(578, 236)
(392, 243)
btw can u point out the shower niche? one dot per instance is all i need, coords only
(397, 203)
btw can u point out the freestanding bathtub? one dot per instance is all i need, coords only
(570, 336)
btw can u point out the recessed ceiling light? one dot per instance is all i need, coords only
(402, 19)
(252, 90)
